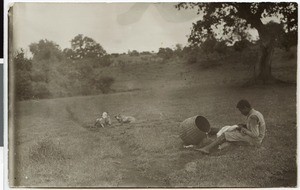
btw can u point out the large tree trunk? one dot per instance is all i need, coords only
(264, 69)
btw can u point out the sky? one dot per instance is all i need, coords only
(118, 27)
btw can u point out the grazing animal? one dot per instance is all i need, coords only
(125, 119)
(103, 121)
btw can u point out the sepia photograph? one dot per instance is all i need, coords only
(159, 95)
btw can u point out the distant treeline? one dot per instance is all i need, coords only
(52, 72)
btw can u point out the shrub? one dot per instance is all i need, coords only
(105, 61)
(40, 90)
(133, 53)
(22, 69)
(192, 54)
(165, 53)
(208, 46)
(241, 45)
(192, 58)
(23, 86)
(221, 48)
(104, 83)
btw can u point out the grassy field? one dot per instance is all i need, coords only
(55, 145)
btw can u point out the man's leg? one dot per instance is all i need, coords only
(207, 148)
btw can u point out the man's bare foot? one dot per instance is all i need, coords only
(203, 150)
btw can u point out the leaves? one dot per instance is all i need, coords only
(46, 50)
(236, 19)
(52, 72)
(84, 47)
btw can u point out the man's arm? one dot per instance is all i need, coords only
(254, 127)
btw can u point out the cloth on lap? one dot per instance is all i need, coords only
(236, 135)
(226, 129)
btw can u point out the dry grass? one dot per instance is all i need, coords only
(45, 150)
(55, 147)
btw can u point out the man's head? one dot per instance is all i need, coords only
(244, 107)
(104, 114)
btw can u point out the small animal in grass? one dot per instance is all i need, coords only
(125, 119)
(103, 121)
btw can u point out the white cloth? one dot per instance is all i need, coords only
(226, 129)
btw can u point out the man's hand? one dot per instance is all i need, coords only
(245, 131)
(240, 127)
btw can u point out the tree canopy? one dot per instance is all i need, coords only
(84, 47)
(45, 50)
(235, 20)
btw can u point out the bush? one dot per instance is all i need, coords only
(192, 58)
(23, 86)
(192, 54)
(105, 61)
(40, 90)
(205, 59)
(241, 45)
(53, 73)
(104, 83)
(208, 46)
(133, 53)
(165, 53)
(221, 48)
(22, 69)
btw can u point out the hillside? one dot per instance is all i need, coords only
(56, 146)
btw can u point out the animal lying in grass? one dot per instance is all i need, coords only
(103, 121)
(125, 119)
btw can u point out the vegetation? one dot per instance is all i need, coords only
(84, 47)
(66, 151)
(52, 72)
(56, 144)
(236, 19)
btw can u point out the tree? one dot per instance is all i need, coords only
(208, 45)
(84, 47)
(22, 67)
(237, 18)
(178, 50)
(133, 53)
(165, 53)
(46, 57)
(221, 48)
(47, 78)
(241, 45)
(46, 50)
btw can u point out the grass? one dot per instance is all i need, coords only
(56, 147)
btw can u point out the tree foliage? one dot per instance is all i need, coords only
(165, 53)
(22, 67)
(235, 20)
(52, 73)
(84, 47)
(133, 53)
(46, 50)
(46, 56)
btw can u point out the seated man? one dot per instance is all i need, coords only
(103, 121)
(253, 132)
